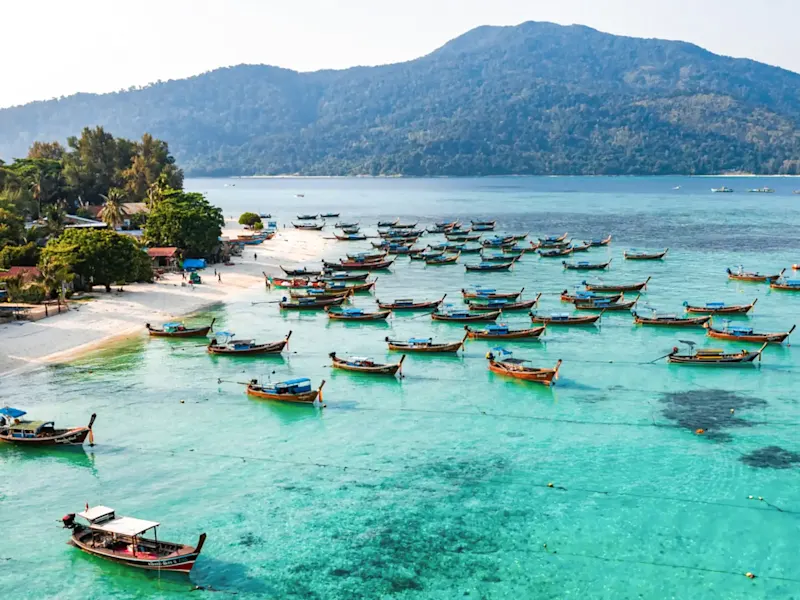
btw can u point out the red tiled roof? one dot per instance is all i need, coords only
(27, 273)
(162, 252)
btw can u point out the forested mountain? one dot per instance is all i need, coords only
(537, 98)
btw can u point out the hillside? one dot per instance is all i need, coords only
(537, 98)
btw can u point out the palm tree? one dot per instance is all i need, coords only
(40, 188)
(55, 219)
(113, 212)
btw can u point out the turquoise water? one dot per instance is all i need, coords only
(437, 486)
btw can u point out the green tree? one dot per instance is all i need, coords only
(49, 150)
(12, 227)
(95, 257)
(249, 219)
(56, 219)
(113, 211)
(26, 255)
(186, 221)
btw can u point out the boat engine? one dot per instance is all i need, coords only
(68, 521)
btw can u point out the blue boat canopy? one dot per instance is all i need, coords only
(715, 304)
(740, 330)
(353, 311)
(498, 328)
(419, 341)
(793, 282)
(559, 316)
(485, 290)
(14, 413)
(295, 381)
(173, 324)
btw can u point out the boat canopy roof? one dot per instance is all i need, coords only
(740, 329)
(173, 324)
(715, 304)
(353, 311)
(559, 316)
(497, 328)
(32, 426)
(793, 282)
(96, 512)
(14, 413)
(129, 526)
(359, 359)
(515, 361)
(419, 340)
(298, 381)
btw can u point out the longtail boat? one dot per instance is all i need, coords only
(444, 260)
(503, 304)
(498, 242)
(340, 286)
(501, 257)
(634, 254)
(307, 217)
(223, 343)
(669, 320)
(720, 308)
(490, 294)
(329, 215)
(341, 276)
(553, 238)
(446, 247)
(357, 314)
(490, 266)
(492, 222)
(462, 237)
(518, 237)
(356, 265)
(604, 288)
(515, 367)
(35, 434)
(409, 304)
(606, 303)
(322, 293)
(788, 285)
(176, 329)
(309, 226)
(388, 223)
(294, 283)
(600, 242)
(303, 272)
(516, 249)
(738, 333)
(440, 228)
(350, 237)
(471, 249)
(383, 244)
(580, 296)
(404, 225)
(481, 227)
(309, 303)
(403, 250)
(122, 540)
(368, 256)
(584, 247)
(297, 391)
(425, 345)
(553, 245)
(586, 266)
(464, 315)
(400, 234)
(742, 275)
(341, 225)
(349, 230)
(565, 319)
(713, 357)
(447, 224)
(501, 331)
(555, 253)
(426, 255)
(366, 365)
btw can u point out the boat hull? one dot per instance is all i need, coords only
(181, 561)
(690, 322)
(543, 376)
(303, 398)
(572, 321)
(70, 437)
(534, 332)
(274, 348)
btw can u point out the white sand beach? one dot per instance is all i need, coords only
(90, 325)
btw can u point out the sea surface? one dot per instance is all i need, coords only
(452, 482)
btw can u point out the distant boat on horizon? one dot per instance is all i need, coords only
(722, 190)
(677, 187)
(762, 190)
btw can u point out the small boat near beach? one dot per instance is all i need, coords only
(368, 256)
(350, 237)
(720, 308)
(739, 333)
(595, 242)
(358, 265)
(581, 295)
(356, 314)
(330, 215)
(322, 293)
(516, 368)
(714, 357)
(741, 275)
(294, 283)
(388, 223)
(366, 365)
(354, 287)
(499, 257)
(302, 272)
(427, 255)
(722, 190)
(410, 304)
(501, 331)
(461, 315)
(309, 303)
(122, 540)
(498, 242)
(553, 239)
(490, 266)
(446, 260)
(309, 226)
(556, 252)
(446, 247)
(482, 226)
(586, 266)
(307, 217)
(634, 254)
(176, 329)
(503, 304)
(489, 293)
(584, 247)
(669, 320)
(425, 345)
(605, 288)
(224, 343)
(296, 391)
(404, 226)
(342, 225)
(605, 304)
(565, 319)
(334, 276)
(787, 285)
(36, 434)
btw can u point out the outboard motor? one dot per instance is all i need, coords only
(68, 521)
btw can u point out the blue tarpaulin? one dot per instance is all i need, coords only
(192, 264)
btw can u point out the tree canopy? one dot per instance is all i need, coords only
(249, 218)
(185, 220)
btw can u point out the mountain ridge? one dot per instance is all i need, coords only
(536, 98)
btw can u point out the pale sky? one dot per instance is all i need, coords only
(51, 48)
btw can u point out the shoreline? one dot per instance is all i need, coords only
(108, 318)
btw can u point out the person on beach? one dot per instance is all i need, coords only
(219, 276)
(255, 255)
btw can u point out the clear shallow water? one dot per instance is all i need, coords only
(437, 486)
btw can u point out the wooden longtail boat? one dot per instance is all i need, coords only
(340, 286)
(388, 223)
(366, 365)
(462, 237)
(503, 304)
(309, 226)
(296, 391)
(737, 333)
(341, 225)
(179, 330)
(565, 319)
(669, 320)
(367, 256)
(404, 225)
(605, 304)
(304, 272)
(498, 242)
(350, 237)
(354, 265)
(515, 367)
(383, 244)
(426, 255)
(580, 295)
(512, 250)
(294, 283)
(400, 234)
(554, 245)
(228, 346)
(483, 222)
(555, 253)
(443, 261)
(465, 315)
(447, 224)
(403, 250)
(712, 357)
(350, 230)
(742, 275)
(307, 217)
(490, 294)
(446, 247)
(788, 285)
(357, 314)
(502, 332)
(479, 227)
(586, 266)
(600, 242)
(490, 266)
(341, 276)
(604, 288)
(641, 255)
(502, 257)
(720, 308)
(409, 304)
(36, 434)
(584, 247)
(329, 215)
(121, 539)
(322, 293)
(553, 238)
(518, 237)
(471, 249)
(425, 345)
(309, 303)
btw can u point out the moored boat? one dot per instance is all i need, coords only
(550, 239)
(462, 237)
(761, 190)
(789, 285)
(368, 256)
(366, 365)
(565, 319)
(341, 276)
(404, 225)
(742, 275)
(409, 304)
(35, 434)
(307, 217)
(350, 237)
(720, 308)
(501, 331)
(443, 260)
(296, 391)
(302, 272)
(498, 242)
(176, 329)
(584, 247)
(388, 223)
(722, 190)
(634, 254)
(581, 295)
(426, 255)
(739, 333)
(482, 227)
(330, 215)
(342, 225)
(714, 357)
(309, 226)
(294, 283)
(586, 266)
(606, 303)
(604, 288)
(669, 320)
(515, 367)
(490, 266)
(595, 242)
(460, 315)
(556, 252)
(341, 286)
(322, 293)
(356, 314)
(122, 540)
(503, 304)
(224, 343)
(358, 265)
(309, 303)
(490, 293)
(425, 345)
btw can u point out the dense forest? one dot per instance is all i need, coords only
(537, 98)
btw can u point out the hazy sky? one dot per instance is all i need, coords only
(52, 48)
